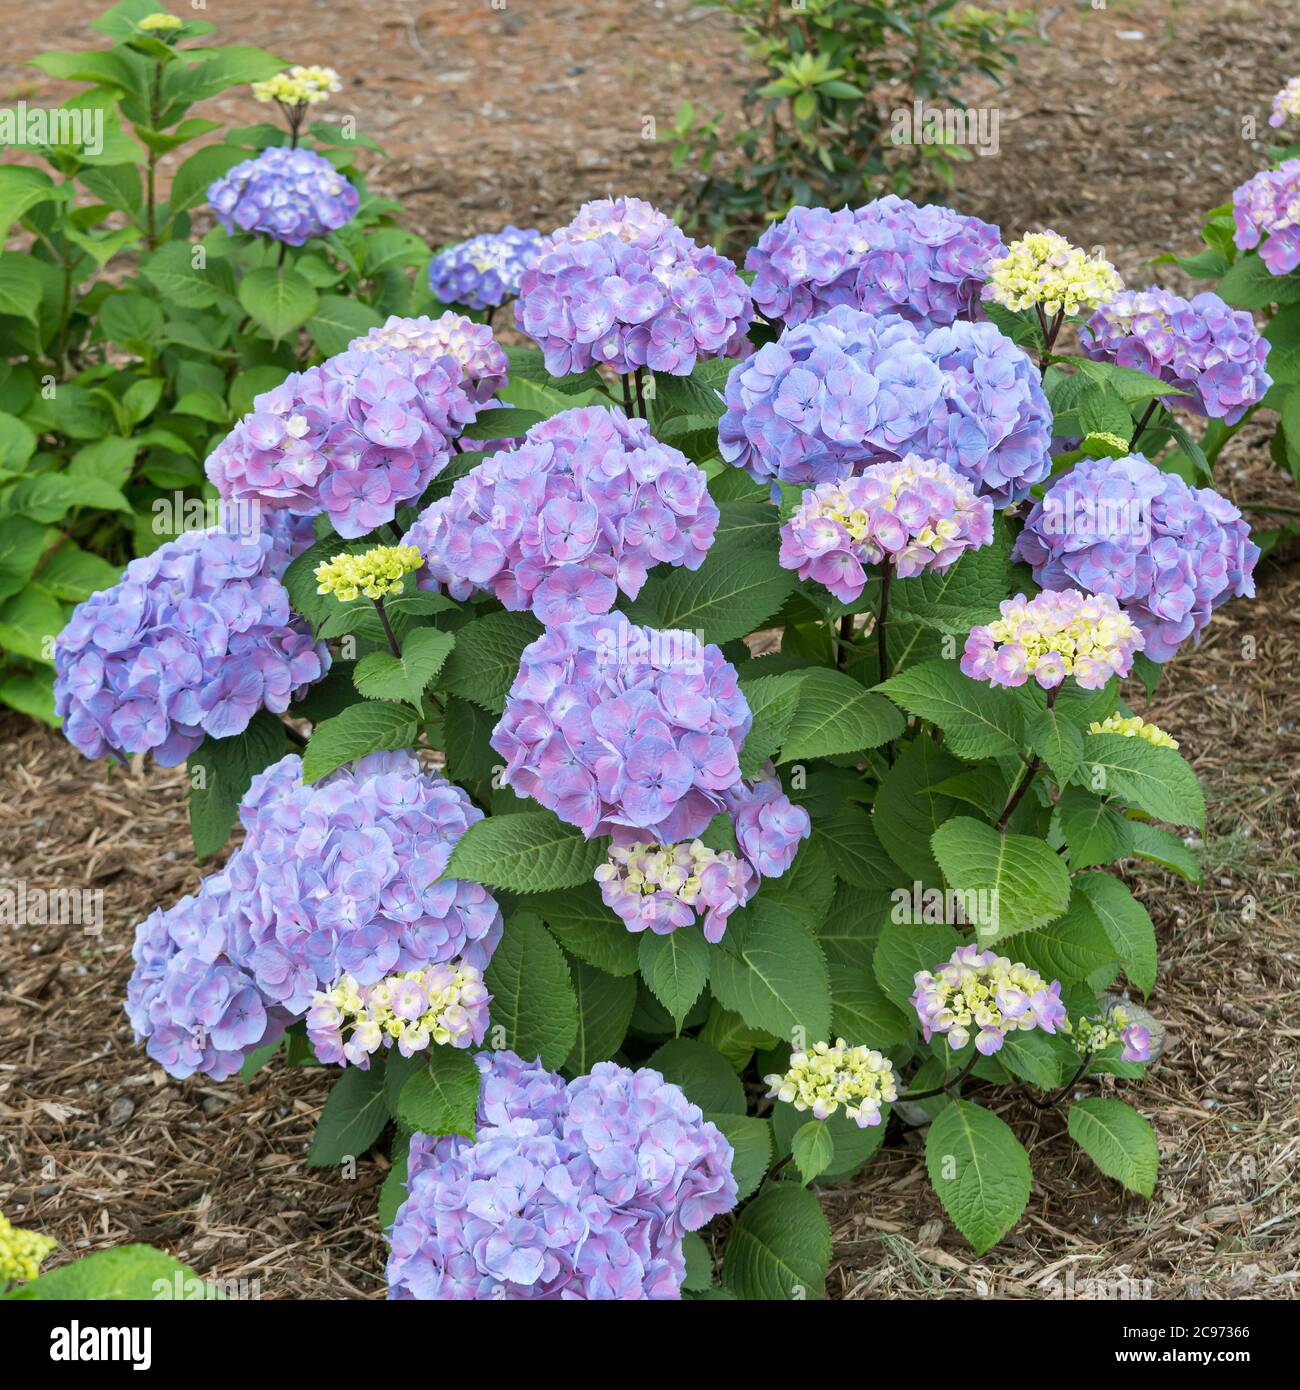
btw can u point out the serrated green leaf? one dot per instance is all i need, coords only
(980, 1171)
(1126, 922)
(441, 1097)
(862, 1013)
(383, 676)
(676, 968)
(586, 928)
(1155, 780)
(1158, 846)
(812, 1149)
(978, 721)
(902, 949)
(372, 726)
(1094, 832)
(486, 658)
(836, 715)
(780, 1248)
(605, 1005)
(855, 854)
(1118, 1140)
(908, 809)
(533, 1003)
(704, 1075)
(532, 852)
(228, 766)
(354, 1116)
(751, 1144)
(770, 970)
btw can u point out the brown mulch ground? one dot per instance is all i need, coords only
(520, 115)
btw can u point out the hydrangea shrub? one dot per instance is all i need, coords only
(724, 768)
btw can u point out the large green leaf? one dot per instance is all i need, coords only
(1094, 832)
(338, 320)
(908, 809)
(855, 853)
(1118, 1140)
(1009, 883)
(354, 1116)
(586, 928)
(980, 1171)
(441, 1097)
(1126, 922)
(532, 852)
(903, 949)
(485, 662)
(534, 1011)
(605, 1005)
(220, 772)
(676, 968)
(127, 1273)
(383, 676)
(369, 727)
(751, 1143)
(836, 715)
(780, 1248)
(703, 1074)
(978, 721)
(862, 1014)
(1156, 780)
(770, 970)
(277, 298)
(772, 701)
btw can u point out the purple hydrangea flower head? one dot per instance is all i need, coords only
(769, 826)
(484, 367)
(485, 271)
(613, 725)
(1052, 636)
(1169, 553)
(926, 264)
(356, 437)
(578, 514)
(995, 425)
(916, 514)
(1267, 208)
(191, 642)
(664, 887)
(1210, 352)
(849, 389)
(986, 991)
(623, 285)
(334, 882)
(1285, 103)
(195, 1008)
(289, 195)
(578, 1191)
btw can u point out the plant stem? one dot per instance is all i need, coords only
(1142, 424)
(294, 736)
(395, 527)
(846, 639)
(1031, 769)
(1057, 1096)
(882, 647)
(947, 1085)
(393, 645)
(628, 408)
(640, 392)
(155, 110)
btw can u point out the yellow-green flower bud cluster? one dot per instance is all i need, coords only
(158, 23)
(825, 1077)
(376, 573)
(300, 86)
(21, 1252)
(1133, 727)
(1043, 270)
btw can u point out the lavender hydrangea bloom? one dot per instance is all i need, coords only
(483, 272)
(769, 826)
(580, 513)
(191, 642)
(356, 438)
(485, 369)
(623, 285)
(917, 514)
(829, 396)
(578, 1191)
(1170, 554)
(609, 724)
(849, 389)
(286, 194)
(196, 1009)
(926, 264)
(995, 425)
(333, 878)
(1212, 353)
(1264, 209)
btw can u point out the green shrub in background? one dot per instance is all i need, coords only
(128, 344)
(818, 117)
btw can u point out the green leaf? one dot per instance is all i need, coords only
(128, 1273)
(1036, 1057)
(904, 948)
(966, 593)
(1126, 922)
(394, 1191)
(1074, 947)
(729, 1034)
(770, 970)
(704, 1075)
(383, 676)
(354, 1116)
(22, 189)
(1155, 780)
(851, 1147)
(486, 658)
(1094, 832)
(862, 1013)
(441, 1097)
(1248, 284)
(1016, 882)
(533, 1003)
(29, 623)
(278, 299)
(20, 290)
(772, 701)
(980, 1171)
(338, 320)
(199, 172)
(372, 726)
(751, 1148)
(812, 1148)
(836, 715)
(1160, 847)
(806, 888)
(1057, 742)
(855, 853)
(221, 771)
(1118, 1140)
(849, 933)
(699, 1264)
(676, 968)
(780, 1247)
(532, 852)
(507, 422)
(586, 928)
(605, 1005)
(172, 272)
(978, 721)
(908, 809)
